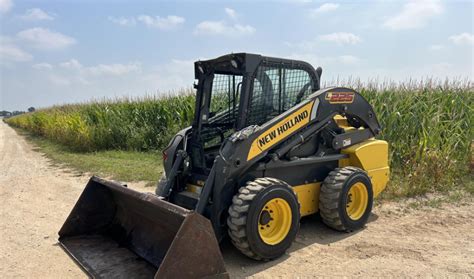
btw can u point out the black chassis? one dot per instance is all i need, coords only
(231, 169)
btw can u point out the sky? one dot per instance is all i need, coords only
(57, 52)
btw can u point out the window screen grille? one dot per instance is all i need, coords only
(224, 96)
(275, 90)
(224, 105)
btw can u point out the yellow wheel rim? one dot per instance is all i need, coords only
(357, 199)
(274, 221)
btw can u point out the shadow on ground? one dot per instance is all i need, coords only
(312, 231)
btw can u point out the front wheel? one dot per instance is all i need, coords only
(264, 218)
(346, 198)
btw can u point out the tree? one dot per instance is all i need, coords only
(31, 109)
(17, 112)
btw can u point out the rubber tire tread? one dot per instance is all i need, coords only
(330, 196)
(238, 211)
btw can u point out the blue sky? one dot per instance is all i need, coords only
(55, 52)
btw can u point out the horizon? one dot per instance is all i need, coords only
(54, 53)
(355, 83)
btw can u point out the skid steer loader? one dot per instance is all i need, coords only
(267, 147)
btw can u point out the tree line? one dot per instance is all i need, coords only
(6, 113)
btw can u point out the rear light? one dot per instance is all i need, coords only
(165, 156)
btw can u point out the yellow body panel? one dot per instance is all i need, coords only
(371, 156)
(308, 197)
(193, 188)
(341, 121)
(281, 130)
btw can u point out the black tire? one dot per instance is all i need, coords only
(335, 197)
(161, 185)
(245, 217)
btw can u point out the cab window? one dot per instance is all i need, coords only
(275, 90)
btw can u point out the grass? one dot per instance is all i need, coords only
(437, 201)
(429, 125)
(128, 166)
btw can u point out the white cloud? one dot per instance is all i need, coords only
(45, 39)
(42, 66)
(73, 72)
(222, 28)
(101, 69)
(414, 14)
(231, 13)
(163, 23)
(114, 69)
(326, 7)
(9, 52)
(341, 38)
(436, 47)
(123, 21)
(71, 64)
(5, 6)
(12, 53)
(5, 40)
(462, 39)
(36, 14)
(333, 61)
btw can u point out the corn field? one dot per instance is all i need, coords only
(129, 124)
(428, 125)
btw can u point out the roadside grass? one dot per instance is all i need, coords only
(400, 189)
(127, 166)
(401, 186)
(459, 197)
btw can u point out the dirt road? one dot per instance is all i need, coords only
(35, 199)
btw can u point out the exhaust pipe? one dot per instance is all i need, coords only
(116, 232)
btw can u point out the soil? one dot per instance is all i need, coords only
(36, 196)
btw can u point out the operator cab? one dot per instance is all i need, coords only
(233, 92)
(238, 90)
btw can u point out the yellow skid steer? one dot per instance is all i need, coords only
(267, 147)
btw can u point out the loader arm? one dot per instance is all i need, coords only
(296, 125)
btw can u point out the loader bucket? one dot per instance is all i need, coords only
(116, 232)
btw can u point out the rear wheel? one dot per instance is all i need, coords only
(346, 198)
(264, 218)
